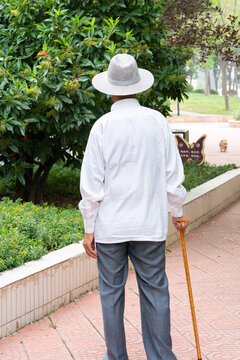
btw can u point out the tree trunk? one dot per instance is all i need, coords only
(216, 77)
(23, 191)
(229, 68)
(34, 185)
(236, 73)
(224, 83)
(216, 71)
(236, 79)
(207, 82)
(216, 84)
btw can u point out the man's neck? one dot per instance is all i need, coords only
(122, 97)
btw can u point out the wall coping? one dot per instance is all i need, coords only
(31, 267)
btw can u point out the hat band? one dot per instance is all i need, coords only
(124, 82)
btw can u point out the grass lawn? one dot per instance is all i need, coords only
(211, 104)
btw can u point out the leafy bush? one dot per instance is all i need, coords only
(213, 92)
(199, 91)
(63, 180)
(7, 187)
(236, 115)
(28, 231)
(197, 175)
(189, 88)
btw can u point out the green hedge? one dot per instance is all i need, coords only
(29, 231)
(197, 175)
(63, 180)
(190, 88)
(236, 115)
(202, 91)
(214, 92)
(199, 91)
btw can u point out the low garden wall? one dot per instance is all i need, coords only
(31, 291)
(234, 123)
(199, 118)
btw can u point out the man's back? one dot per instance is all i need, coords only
(133, 141)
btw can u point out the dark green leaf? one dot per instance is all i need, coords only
(65, 99)
(21, 179)
(13, 148)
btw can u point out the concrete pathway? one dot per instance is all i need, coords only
(76, 331)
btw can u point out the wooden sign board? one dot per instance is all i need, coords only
(194, 151)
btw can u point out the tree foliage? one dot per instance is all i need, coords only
(198, 24)
(49, 52)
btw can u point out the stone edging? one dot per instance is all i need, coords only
(31, 291)
(234, 123)
(198, 118)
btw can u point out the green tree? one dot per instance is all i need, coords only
(49, 52)
(202, 24)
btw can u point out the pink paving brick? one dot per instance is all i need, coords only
(78, 333)
(11, 348)
(41, 341)
(90, 306)
(214, 259)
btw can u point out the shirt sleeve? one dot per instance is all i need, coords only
(175, 175)
(91, 182)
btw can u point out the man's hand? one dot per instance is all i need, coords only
(89, 245)
(176, 222)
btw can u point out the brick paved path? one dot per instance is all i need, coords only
(76, 332)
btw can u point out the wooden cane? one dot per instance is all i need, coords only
(190, 294)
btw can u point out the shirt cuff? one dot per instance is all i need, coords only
(177, 211)
(89, 226)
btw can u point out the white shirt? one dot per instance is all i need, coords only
(130, 172)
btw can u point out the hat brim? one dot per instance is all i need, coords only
(102, 84)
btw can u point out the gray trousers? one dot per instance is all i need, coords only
(148, 259)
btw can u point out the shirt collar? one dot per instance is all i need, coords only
(125, 103)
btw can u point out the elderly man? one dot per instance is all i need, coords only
(131, 171)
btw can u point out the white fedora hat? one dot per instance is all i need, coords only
(123, 77)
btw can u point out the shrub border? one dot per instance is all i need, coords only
(31, 291)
